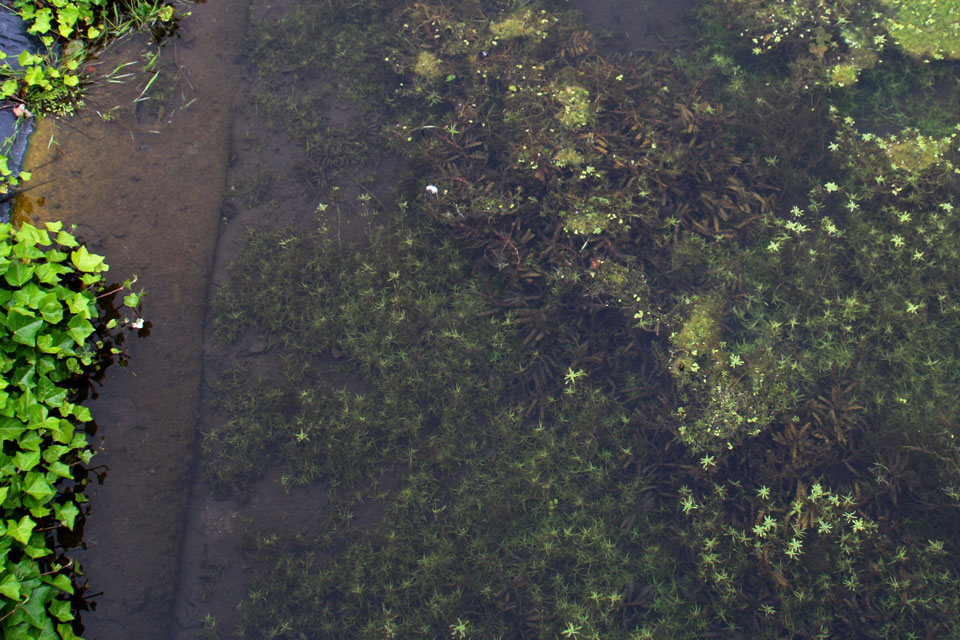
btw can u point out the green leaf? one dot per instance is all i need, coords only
(36, 609)
(26, 58)
(67, 239)
(50, 308)
(41, 23)
(27, 250)
(79, 328)
(26, 460)
(52, 396)
(53, 452)
(65, 433)
(66, 514)
(31, 235)
(60, 609)
(18, 273)
(45, 344)
(34, 76)
(10, 428)
(62, 582)
(20, 531)
(30, 296)
(10, 587)
(36, 486)
(31, 441)
(80, 304)
(50, 273)
(87, 262)
(60, 469)
(39, 549)
(66, 632)
(27, 334)
(68, 16)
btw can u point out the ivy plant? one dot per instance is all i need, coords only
(52, 335)
(49, 79)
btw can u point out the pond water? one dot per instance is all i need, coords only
(213, 522)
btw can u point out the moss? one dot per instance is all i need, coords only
(577, 109)
(522, 24)
(428, 66)
(698, 340)
(568, 157)
(927, 29)
(913, 152)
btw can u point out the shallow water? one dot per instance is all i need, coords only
(166, 188)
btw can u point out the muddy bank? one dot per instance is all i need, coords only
(144, 181)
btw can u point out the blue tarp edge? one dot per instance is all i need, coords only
(14, 132)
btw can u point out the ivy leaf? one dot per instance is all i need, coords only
(34, 76)
(37, 550)
(63, 583)
(66, 632)
(45, 344)
(36, 486)
(66, 239)
(27, 334)
(10, 428)
(79, 328)
(10, 587)
(60, 469)
(20, 531)
(53, 452)
(41, 22)
(26, 460)
(18, 273)
(50, 308)
(66, 514)
(36, 609)
(79, 304)
(60, 609)
(26, 250)
(86, 261)
(49, 273)
(82, 413)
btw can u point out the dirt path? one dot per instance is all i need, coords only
(146, 188)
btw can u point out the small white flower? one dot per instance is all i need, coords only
(432, 189)
(137, 324)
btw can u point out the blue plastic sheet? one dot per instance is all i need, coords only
(13, 134)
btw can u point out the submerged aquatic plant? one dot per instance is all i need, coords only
(610, 334)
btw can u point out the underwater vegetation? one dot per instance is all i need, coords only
(638, 367)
